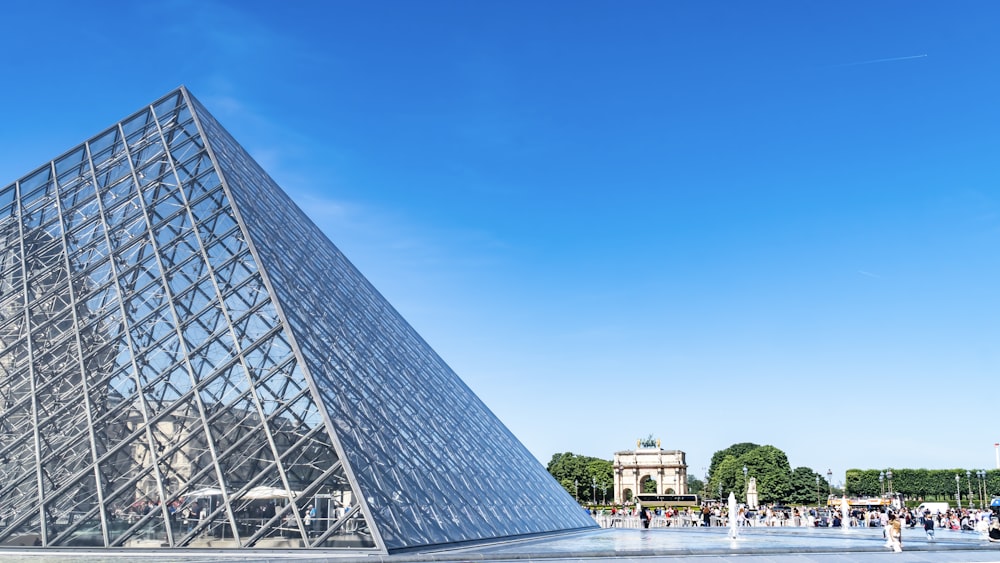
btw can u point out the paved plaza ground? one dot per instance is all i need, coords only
(701, 545)
(705, 545)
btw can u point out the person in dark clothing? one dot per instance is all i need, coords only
(644, 516)
(194, 514)
(995, 531)
(929, 525)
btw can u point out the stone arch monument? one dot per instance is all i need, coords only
(648, 461)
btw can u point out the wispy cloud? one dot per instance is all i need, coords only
(869, 274)
(876, 61)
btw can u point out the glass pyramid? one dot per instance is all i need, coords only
(187, 362)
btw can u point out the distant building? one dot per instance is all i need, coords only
(649, 462)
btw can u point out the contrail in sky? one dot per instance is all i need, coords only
(873, 61)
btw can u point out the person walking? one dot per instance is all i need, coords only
(644, 516)
(895, 533)
(929, 525)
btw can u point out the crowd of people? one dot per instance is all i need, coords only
(892, 520)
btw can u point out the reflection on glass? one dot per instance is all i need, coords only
(186, 361)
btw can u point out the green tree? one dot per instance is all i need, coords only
(578, 475)
(926, 484)
(767, 464)
(736, 450)
(695, 485)
(808, 487)
(770, 467)
(862, 483)
(728, 476)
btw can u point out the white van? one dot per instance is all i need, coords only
(932, 507)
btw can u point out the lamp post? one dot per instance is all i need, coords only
(576, 483)
(968, 481)
(958, 490)
(746, 491)
(604, 492)
(986, 495)
(979, 487)
(594, 485)
(888, 475)
(720, 491)
(829, 480)
(819, 498)
(881, 484)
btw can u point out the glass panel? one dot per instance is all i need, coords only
(164, 201)
(7, 196)
(71, 162)
(23, 526)
(105, 144)
(167, 107)
(36, 185)
(197, 165)
(112, 170)
(206, 182)
(183, 151)
(137, 125)
(206, 359)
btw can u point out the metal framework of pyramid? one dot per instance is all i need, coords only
(186, 361)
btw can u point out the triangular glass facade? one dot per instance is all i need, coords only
(186, 362)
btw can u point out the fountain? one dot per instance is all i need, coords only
(732, 516)
(845, 514)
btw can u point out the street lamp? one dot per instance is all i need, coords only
(958, 490)
(981, 475)
(720, 492)
(819, 499)
(968, 480)
(746, 490)
(829, 480)
(576, 483)
(881, 483)
(595, 489)
(888, 475)
(979, 488)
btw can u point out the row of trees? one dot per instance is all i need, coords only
(586, 478)
(777, 482)
(927, 484)
(591, 478)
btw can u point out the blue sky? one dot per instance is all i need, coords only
(713, 222)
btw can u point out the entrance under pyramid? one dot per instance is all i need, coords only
(186, 361)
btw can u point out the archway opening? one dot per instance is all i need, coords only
(647, 485)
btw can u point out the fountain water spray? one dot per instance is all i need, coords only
(732, 516)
